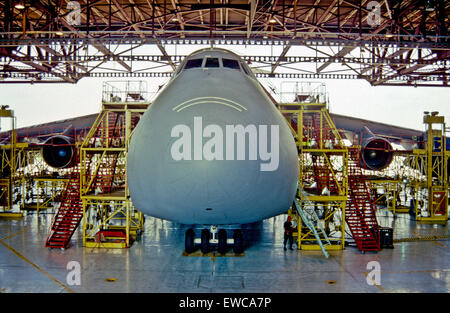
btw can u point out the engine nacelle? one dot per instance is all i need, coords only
(376, 153)
(59, 151)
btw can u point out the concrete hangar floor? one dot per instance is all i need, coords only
(155, 262)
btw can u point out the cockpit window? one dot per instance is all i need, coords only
(192, 63)
(230, 63)
(212, 62)
(244, 68)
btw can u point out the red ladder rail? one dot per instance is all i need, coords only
(69, 214)
(360, 212)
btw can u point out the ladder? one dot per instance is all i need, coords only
(69, 214)
(311, 220)
(360, 212)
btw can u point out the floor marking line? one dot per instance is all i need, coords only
(37, 267)
(374, 283)
(440, 244)
(13, 234)
(415, 271)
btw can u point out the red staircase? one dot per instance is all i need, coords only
(69, 213)
(319, 126)
(116, 130)
(322, 174)
(322, 171)
(104, 177)
(360, 212)
(109, 133)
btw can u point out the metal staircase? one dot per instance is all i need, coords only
(308, 216)
(323, 175)
(360, 211)
(322, 132)
(69, 215)
(108, 135)
(324, 138)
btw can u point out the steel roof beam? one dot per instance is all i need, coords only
(343, 52)
(97, 46)
(281, 58)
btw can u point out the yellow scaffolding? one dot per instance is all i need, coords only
(390, 193)
(5, 194)
(48, 191)
(430, 196)
(109, 217)
(11, 154)
(320, 146)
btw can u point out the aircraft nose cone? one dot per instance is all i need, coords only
(212, 158)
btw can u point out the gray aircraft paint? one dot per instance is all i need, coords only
(209, 191)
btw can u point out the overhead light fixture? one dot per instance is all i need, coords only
(175, 19)
(272, 21)
(429, 7)
(20, 6)
(59, 33)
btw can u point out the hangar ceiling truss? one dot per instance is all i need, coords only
(386, 42)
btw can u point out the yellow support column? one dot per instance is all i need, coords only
(9, 166)
(430, 199)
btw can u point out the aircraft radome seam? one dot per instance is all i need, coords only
(227, 102)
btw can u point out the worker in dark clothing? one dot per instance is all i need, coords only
(288, 230)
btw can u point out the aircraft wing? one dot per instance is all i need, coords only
(356, 129)
(55, 139)
(378, 141)
(40, 132)
(345, 124)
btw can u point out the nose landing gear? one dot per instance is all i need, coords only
(205, 241)
(222, 242)
(238, 241)
(189, 244)
(214, 237)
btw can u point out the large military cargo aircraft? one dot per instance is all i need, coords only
(213, 149)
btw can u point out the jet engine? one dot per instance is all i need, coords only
(376, 153)
(59, 151)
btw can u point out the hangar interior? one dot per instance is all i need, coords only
(359, 200)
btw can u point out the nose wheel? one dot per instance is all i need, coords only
(222, 243)
(238, 241)
(214, 237)
(205, 241)
(189, 241)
